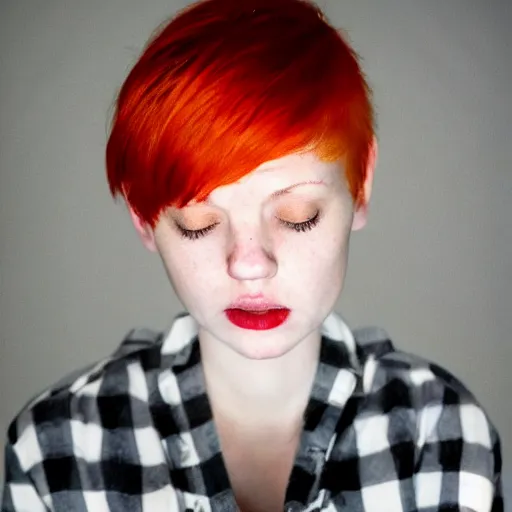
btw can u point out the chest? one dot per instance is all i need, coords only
(259, 472)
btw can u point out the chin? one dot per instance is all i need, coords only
(264, 345)
(263, 352)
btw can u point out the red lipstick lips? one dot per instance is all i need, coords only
(256, 313)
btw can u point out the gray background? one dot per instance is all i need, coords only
(433, 266)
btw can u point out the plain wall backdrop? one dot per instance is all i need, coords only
(433, 266)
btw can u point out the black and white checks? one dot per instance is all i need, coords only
(383, 431)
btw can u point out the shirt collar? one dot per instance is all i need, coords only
(339, 368)
(185, 330)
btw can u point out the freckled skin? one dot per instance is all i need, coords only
(251, 251)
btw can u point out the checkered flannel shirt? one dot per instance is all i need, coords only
(383, 431)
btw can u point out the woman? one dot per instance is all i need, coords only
(243, 144)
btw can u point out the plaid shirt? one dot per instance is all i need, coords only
(383, 431)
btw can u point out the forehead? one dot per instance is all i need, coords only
(275, 175)
(298, 164)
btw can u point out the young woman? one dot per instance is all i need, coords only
(243, 144)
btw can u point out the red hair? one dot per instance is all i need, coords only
(228, 85)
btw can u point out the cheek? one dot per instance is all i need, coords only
(317, 252)
(318, 265)
(192, 273)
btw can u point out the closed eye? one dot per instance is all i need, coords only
(194, 234)
(301, 227)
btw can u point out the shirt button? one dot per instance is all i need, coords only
(198, 507)
(184, 455)
(184, 451)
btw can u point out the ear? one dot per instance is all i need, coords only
(361, 214)
(144, 230)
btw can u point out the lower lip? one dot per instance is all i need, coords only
(258, 320)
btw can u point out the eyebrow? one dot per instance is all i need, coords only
(284, 191)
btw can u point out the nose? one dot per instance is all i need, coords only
(251, 258)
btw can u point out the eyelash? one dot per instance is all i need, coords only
(194, 234)
(299, 227)
(302, 227)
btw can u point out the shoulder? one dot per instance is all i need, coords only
(440, 407)
(45, 422)
(450, 432)
(383, 364)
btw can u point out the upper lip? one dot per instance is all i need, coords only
(254, 303)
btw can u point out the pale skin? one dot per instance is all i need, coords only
(259, 382)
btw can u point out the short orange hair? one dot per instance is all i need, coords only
(227, 85)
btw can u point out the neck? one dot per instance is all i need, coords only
(260, 393)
